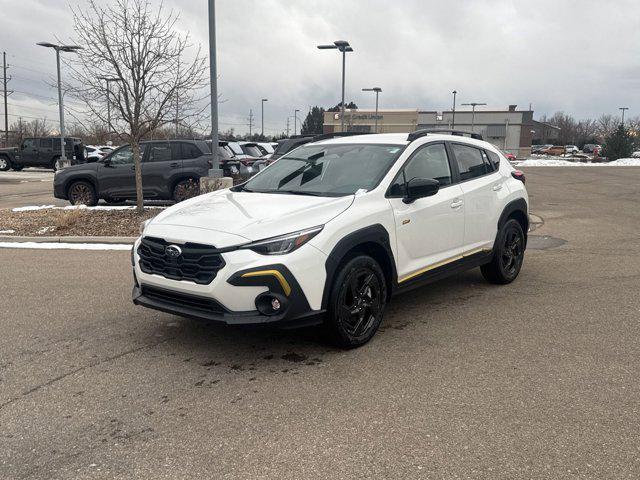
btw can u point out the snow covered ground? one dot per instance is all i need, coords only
(563, 162)
(66, 246)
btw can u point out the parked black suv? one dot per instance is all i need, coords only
(171, 170)
(41, 152)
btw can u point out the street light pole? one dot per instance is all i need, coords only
(623, 109)
(109, 80)
(473, 113)
(344, 47)
(213, 81)
(377, 90)
(64, 162)
(453, 119)
(262, 104)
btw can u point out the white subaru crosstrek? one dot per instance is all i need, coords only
(329, 232)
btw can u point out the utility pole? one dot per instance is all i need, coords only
(453, 119)
(287, 126)
(178, 98)
(250, 122)
(262, 114)
(295, 121)
(6, 112)
(215, 170)
(473, 106)
(623, 109)
(109, 80)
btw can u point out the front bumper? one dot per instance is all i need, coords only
(58, 190)
(240, 288)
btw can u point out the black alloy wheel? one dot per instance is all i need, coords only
(357, 302)
(508, 254)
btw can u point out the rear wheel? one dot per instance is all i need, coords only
(82, 193)
(357, 302)
(4, 164)
(185, 189)
(508, 255)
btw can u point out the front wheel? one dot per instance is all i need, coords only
(508, 255)
(357, 302)
(82, 193)
(4, 164)
(186, 189)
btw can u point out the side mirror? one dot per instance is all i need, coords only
(420, 188)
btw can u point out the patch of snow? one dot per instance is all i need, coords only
(66, 246)
(44, 230)
(558, 162)
(80, 207)
(7, 232)
(32, 208)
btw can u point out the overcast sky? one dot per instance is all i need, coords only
(581, 57)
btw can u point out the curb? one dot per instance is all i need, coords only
(103, 240)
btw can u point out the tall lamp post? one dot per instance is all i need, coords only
(473, 106)
(623, 109)
(61, 48)
(295, 121)
(109, 80)
(453, 119)
(262, 105)
(344, 47)
(213, 80)
(377, 90)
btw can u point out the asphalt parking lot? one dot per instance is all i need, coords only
(31, 186)
(538, 379)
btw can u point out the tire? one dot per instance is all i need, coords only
(5, 164)
(82, 193)
(185, 189)
(508, 255)
(115, 201)
(357, 302)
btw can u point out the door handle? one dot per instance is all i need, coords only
(174, 165)
(497, 188)
(456, 203)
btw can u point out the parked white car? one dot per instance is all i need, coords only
(329, 232)
(571, 149)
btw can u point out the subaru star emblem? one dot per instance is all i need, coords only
(173, 251)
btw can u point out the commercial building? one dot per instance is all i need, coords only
(510, 130)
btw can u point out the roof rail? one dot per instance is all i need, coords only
(326, 136)
(426, 131)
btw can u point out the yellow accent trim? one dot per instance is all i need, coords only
(443, 262)
(273, 273)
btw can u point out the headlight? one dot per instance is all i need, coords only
(284, 243)
(143, 225)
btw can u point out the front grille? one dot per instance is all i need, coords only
(198, 263)
(191, 302)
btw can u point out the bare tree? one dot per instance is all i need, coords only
(607, 124)
(141, 49)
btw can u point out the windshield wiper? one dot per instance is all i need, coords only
(299, 192)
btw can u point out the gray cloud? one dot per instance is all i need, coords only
(576, 56)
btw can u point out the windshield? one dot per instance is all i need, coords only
(252, 150)
(327, 170)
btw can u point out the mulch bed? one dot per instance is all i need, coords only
(80, 222)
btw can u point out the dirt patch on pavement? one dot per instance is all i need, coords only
(77, 222)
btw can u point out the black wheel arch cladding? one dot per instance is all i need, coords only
(516, 209)
(373, 241)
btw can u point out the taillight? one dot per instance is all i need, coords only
(247, 163)
(518, 175)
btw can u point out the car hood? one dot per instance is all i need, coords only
(250, 215)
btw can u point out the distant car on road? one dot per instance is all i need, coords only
(171, 170)
(41, 152)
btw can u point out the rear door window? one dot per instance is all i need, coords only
(494, 158)
(471, 163)
(189, 150)
(46, 143)
(160, 152)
